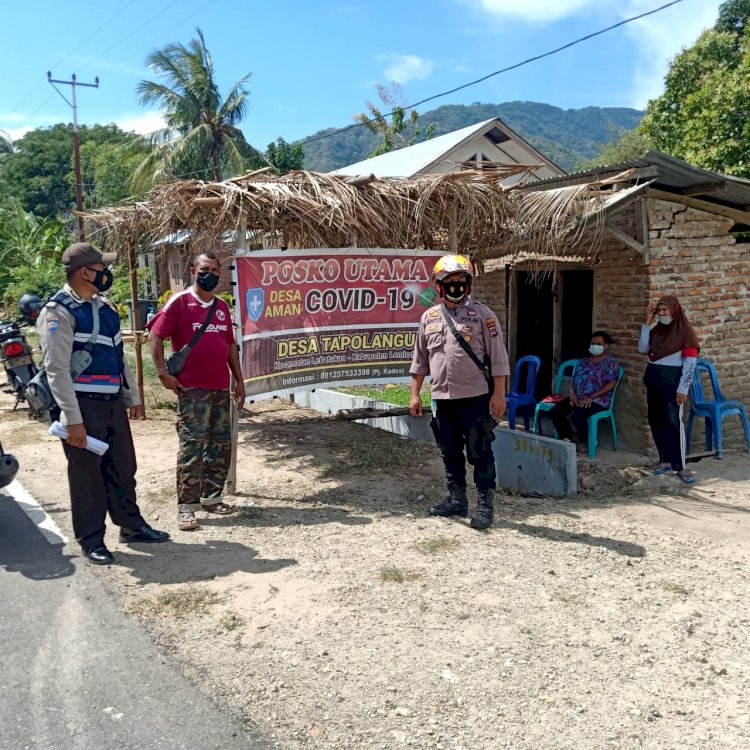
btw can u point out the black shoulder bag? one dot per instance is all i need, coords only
(176, 361)
(485, 366)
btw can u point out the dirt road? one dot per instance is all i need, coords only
(333, 612)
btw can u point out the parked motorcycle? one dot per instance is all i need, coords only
(8, 467)
(15, 353)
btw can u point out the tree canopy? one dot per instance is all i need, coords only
(201, 138)
(39, 172)
(704, 114)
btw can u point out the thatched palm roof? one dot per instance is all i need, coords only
(468, 211)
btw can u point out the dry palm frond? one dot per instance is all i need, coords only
(469, 211)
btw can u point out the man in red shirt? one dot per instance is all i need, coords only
(202, 388)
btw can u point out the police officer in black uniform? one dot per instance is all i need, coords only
(94, 401)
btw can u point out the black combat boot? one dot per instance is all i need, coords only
(456, 504)
(482, 519)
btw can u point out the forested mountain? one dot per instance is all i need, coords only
(567, 136)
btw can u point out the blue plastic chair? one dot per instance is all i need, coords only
(609, 414)
(713, 411)
(522, 399)
(566, 369)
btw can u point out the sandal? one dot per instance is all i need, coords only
(660, 467)
(221, 509)
(686, 476)
(186, 521)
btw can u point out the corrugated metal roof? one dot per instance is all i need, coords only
(409, 161)
(672, 174)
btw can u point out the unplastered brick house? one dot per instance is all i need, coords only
(669, 228)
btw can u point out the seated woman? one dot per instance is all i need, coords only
(591, 387)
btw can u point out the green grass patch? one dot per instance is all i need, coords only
(231, 622)
(437, 545)
(178, 604)
(392, 393)
(394, 574)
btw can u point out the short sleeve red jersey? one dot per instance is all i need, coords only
(182, 315)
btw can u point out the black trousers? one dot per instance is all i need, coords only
(564, 413)
(101, 484)
(664, 413)
(466, 423)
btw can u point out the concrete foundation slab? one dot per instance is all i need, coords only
(527, 462)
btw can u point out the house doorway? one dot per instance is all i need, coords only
(535, 304)
(576, 313)
(553, 315)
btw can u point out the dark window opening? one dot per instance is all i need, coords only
(496, 136)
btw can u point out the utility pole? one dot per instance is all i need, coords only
(76, 139)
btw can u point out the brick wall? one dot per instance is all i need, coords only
(489, 289)
(620, 295)
(695, 259)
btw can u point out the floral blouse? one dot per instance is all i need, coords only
(591, 376)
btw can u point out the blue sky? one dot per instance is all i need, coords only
(314, 63)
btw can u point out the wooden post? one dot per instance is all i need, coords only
(240, 243)
(133, 271)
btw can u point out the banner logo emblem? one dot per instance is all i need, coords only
(255, 300)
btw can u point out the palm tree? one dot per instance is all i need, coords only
(201, 136)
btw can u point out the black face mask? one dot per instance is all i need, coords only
(103, 279)
(207, 280)
(454, 291)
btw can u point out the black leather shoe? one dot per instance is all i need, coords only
(144, 534)
(99, 555)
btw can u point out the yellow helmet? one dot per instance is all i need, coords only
(449, 264)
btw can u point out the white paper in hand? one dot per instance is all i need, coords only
(92, 444)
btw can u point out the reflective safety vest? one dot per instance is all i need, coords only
(105, 373)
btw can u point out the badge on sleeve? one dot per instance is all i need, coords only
(434, 313)
(433, 327)
(53, 324)
(491, 324)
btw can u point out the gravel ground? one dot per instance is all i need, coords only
(332, 612)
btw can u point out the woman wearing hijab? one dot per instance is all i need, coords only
(672, 348)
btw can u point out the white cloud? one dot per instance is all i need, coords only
(405, 68)
(15, 133)
(142, 123)
(537, 10)
(658, 38)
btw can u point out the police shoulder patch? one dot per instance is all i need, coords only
(53, 323)
(435, 313)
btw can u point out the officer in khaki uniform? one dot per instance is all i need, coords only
(94, 401)
(465, 412)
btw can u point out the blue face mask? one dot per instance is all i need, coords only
(665, 320)
(596, 349)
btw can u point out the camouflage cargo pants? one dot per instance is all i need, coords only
(205, 435)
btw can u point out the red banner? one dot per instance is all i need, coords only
(312, 318)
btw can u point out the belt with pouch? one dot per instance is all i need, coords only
(100, 396)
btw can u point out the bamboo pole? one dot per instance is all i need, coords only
(240, 242)
(136, 313)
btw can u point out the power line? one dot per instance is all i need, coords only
(127, 36)
(94, 33)
(528, 60)
(498, 72)
(173, 26)
(57, 64)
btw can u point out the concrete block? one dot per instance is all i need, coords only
(527, 462)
